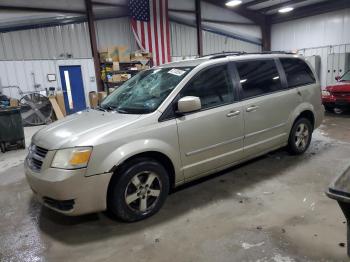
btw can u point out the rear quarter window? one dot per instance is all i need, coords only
(298, 73)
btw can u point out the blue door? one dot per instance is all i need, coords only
(73, 88)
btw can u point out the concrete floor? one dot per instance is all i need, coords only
(270, 209)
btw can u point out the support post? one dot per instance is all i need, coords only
(93, 43)
(199, 28)
(266, 35)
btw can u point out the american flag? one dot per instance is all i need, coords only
(150, 25)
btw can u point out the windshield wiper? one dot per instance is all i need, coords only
(101, 109)
(121, 111)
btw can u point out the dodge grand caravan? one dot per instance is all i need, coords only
(170, 125)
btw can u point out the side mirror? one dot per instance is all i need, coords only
(337, 78)
(189, 104)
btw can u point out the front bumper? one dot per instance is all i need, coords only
(333, 101)
(69, 192)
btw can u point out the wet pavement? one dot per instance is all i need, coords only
(270, 209)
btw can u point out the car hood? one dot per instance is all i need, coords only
(339, 87)
(79, 129)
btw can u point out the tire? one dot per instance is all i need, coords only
(329, 109)
(132, 197)
(299, 140)
(338, 111)
(3, 147)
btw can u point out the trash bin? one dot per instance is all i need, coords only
(11, 129)
(340, 191)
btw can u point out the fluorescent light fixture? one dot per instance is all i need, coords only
(233, 3)
(286, 9)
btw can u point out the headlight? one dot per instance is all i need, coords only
(72, 158)
(325, 93)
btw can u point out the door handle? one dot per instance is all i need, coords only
(252, 108)
(233, 113)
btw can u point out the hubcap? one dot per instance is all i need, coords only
(301, 136)
(143, 191)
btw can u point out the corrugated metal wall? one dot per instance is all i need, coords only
(215, 43)
(115, 31)
(46, 43)
(317, 35)
(184, 42)
(59, 41)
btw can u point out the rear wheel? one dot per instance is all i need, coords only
(300, 136)
(139, 190)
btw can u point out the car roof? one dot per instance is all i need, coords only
(221, 57)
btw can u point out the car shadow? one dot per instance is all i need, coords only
(194, 195)
(345, 114)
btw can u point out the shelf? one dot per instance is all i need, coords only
(125, 63)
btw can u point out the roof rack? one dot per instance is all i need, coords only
(224, 54)
(234, 53)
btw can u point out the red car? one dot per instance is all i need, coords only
(337, 97)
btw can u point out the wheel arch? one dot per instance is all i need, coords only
(308, 114)
(162, 158)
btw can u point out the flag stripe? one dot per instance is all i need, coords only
(161, 18)
(152, 29)
(167, 30)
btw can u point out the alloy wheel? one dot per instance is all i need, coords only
(143, 191)
(301, 137)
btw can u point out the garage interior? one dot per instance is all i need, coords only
(273, 208)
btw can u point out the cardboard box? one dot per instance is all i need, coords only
(125, 77)
(119, 53)
(116, 66)
(60, 102)
(93, 99)
(13, 102)
(101, 96)
(56, 108)
(103, 55)
(116, 78)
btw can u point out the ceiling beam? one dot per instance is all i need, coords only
(278, 6)
(108, 4)
(254, 2)
(311, 10)
(225, 22)
(256, 17)
(183, 11)
(40, 9)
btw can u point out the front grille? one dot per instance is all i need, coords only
(341, 94)
(36, 157)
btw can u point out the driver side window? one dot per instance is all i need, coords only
(213, 86)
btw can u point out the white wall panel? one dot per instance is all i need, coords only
(20, 73)
(321, 30)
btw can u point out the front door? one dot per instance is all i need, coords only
(73, 88)
(268, 104)
(211, 138)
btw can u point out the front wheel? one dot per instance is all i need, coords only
(300, 136)
(139, 190)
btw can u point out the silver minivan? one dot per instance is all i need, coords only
(172, 124)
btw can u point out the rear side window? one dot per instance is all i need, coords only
(298, 73)
(213, 86)
(258, 77)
